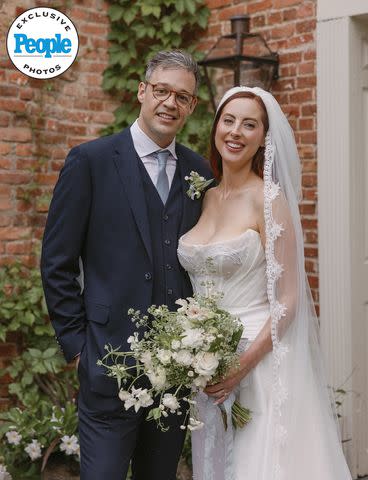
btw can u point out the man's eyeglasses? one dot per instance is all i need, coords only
(162, 93)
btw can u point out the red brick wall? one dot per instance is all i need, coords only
(41, 121)
(289, 27)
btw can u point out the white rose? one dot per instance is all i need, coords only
(183, 357)
(193, 338)
(164, 356)
(205, 363)
(157, 378)
(170, 402)
(175, 344)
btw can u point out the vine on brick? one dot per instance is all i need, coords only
(140, 29)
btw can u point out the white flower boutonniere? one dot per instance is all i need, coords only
(197, 185)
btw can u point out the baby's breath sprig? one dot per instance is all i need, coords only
(179, 353)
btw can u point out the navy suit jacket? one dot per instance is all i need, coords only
(98, 213)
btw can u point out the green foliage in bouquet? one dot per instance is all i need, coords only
(139, 30)
(180, 353)
(42, 386)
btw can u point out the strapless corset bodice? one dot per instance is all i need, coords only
(237, 269)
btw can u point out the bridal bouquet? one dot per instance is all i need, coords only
(178, 351)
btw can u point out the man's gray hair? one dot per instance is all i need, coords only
(174, 59)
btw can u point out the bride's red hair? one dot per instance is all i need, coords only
(215, 157)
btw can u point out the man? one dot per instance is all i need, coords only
(120, 205)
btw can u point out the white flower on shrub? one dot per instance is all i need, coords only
(69, 445)
(55, 419)
(193, 338)
(183, 357)
(13, 437)
(33, 449)
(205, 363)
(157, 378)
(171, 402)
(164, 356)
(4, 475)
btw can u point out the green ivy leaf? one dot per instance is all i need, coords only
(180, 6)
(190, 6)
(50, 352)
(115, 12)
(129, 15)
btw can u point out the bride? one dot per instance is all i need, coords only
(249, 243)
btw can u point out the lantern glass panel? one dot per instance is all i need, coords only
(256, 75)
(254, 46)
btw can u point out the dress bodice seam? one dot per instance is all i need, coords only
(210, 244)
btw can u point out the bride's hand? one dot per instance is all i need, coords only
(222, 389)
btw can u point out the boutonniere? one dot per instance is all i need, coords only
(197, 185)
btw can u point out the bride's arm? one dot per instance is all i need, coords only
(247, 360)
(286, 293)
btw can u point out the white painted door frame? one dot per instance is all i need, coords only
(341, 136)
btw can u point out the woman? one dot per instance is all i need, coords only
(249, 243)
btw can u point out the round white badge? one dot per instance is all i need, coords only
(42, 43)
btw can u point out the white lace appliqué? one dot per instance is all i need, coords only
(278, 310)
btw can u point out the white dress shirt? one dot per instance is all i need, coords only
(145, 147)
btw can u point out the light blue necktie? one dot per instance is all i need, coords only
(162, 184)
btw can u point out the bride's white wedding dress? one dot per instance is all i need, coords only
(237, 267)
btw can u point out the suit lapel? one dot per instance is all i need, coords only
(191, 208)
(126, 161)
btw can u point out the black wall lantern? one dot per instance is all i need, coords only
(246, 54)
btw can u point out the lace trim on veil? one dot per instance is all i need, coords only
(278, 310)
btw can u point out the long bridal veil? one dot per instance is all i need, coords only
(303, 440)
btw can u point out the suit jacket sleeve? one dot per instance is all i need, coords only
(62, 246)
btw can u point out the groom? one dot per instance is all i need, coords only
(119, 207)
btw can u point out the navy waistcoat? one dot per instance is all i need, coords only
(164, 223)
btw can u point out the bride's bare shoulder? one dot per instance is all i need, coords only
(209, 197)
(259, 192)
